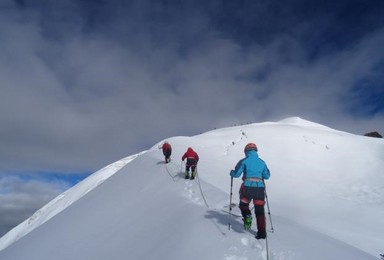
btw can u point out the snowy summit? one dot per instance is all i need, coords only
(300, 122)
(325, 199)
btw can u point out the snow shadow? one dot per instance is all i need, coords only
(222, 220)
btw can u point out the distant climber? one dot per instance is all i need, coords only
(254, 171)
(167, 151)
(192, 160)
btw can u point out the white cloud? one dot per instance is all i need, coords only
(20, 197)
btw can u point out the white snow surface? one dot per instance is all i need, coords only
(325, 194)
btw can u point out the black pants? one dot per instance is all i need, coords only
(257, 195)
(167, 153)
(191, 164)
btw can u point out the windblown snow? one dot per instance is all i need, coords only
(325, 198)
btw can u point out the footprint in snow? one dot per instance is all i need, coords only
(192, 193)
(253, 243)
(248, 248)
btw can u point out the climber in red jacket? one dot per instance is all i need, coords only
(192, 159)
(167, 151)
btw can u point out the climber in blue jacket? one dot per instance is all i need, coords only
(254, 171)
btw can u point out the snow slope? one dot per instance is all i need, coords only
(326, 196)
(62, 201)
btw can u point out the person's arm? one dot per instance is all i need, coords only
(266, 173)
(238, 169)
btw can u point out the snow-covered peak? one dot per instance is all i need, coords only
(300, 122)
(141, 208)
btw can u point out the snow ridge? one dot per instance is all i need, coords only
(300, 122)
(145, 209)
(63, 201)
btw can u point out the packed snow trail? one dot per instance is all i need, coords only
(195, 194)
(242, 244)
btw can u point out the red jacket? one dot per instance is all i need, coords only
(190, 154)
(166, 146)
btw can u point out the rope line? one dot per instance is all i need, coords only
(201, 190)
(169, 173)
(203, 196)
(197, 178)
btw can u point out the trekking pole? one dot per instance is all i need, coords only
(269, 211)
(266, 247)
(230, 205)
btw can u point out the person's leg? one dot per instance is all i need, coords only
(187, 167)
(259, 201)
(193, 169)
(260, 222)
(168, 156)
(244, 207)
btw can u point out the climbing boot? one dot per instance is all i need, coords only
(247, 222)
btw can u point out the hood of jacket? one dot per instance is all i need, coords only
(251, 153)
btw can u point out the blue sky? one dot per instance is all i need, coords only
(85, 83)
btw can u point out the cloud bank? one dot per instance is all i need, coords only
(85, 83)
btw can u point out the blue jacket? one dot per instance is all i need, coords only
(251, 167)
